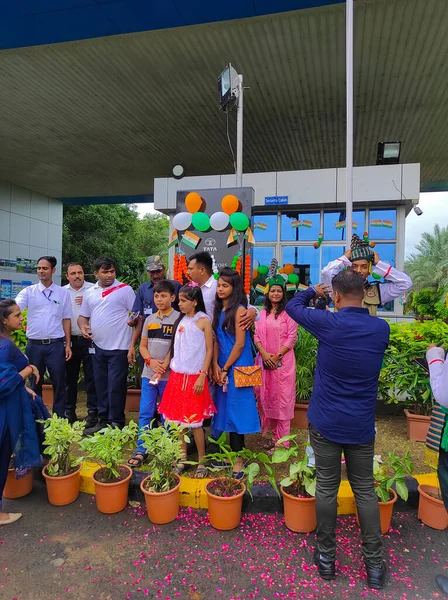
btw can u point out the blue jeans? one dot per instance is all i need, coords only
(148, 405)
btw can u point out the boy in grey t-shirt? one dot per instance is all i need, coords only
(155, 345)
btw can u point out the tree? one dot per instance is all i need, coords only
(429, 267)
(113, 230)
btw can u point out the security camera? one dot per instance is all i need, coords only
(418, 211)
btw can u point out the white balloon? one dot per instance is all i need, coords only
(219, 221)
(182, 221)
(255, 264)
(285, 276)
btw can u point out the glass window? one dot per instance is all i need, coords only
(383, 224)
(296, 227)
(330, 253)
(265, 228)
(334, 224)
(263, 255)
(386, 252)
(305, 260)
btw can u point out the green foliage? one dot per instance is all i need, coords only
(107, 447)
(305, 351)
(427, 303)
(429, 267)
(402, 381)
(114, 230)
(391, 471)
(164, 448)
(60, 438)
(251, 467)
(302, 476)
(19, 336)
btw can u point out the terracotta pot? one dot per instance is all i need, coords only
(418, 426)
(225, 513)
(17, 488)
(62, 490)
(300, 513)
(48, 395)
(299, 419)
(386, 510)
(431, 511)
(112, 497)
(133, 400)
(162, 507)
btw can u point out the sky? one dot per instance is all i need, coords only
(435, 210)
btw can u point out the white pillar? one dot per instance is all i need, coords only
(239, 134)
(349, 141)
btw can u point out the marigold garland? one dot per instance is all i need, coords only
(247, 275)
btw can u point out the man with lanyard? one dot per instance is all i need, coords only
(360, 257)
(144, 301)
(103, 318)
(48, 330)
(81, 350)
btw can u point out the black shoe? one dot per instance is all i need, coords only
(119, 425)
(376, 576)
(441, 582)
(91, 420)
(325, 565)
(98, 427)
(71, 417)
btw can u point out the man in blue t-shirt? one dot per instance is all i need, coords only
(342, 413)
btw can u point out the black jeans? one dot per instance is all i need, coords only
(80, 350)
(359, 462)
(111, 371)
(5, 458)
(51, 357)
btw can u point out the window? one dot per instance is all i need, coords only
(330, 253)
(265, 228)
(383, 224)
(299, 227)
(305, 260)
(334, 225)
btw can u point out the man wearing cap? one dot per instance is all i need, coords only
(361, 258)
(144, 300)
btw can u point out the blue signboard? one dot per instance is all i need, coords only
(275, 200)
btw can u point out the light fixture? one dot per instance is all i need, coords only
(178, 171)
(228, 88)
(388, 153)
(418, 211)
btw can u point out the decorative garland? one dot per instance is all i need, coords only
(247, 275)
(181, 268)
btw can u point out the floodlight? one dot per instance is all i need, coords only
(388, 153)
(227, 88)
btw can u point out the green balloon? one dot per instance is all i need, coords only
(201, 221)
(293, 278)
(239, 221)
(262, 269)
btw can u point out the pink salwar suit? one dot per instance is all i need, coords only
(276, 397)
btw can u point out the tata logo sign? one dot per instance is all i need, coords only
(210, 245)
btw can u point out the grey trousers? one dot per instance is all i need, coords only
(359, 463)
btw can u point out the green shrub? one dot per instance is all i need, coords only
(305, 351)
(60, 438)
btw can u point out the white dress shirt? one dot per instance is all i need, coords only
(76, 308)
(438, 372)
(108, 310)
(47, 307)
(209, 294)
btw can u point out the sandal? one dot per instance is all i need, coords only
(201, 472)
(179, 468)
(139, 458)
(268, 444)
(238, 475)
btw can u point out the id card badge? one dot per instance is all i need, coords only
(92, 350)
(147, 311)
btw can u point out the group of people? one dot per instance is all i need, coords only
(194, 342)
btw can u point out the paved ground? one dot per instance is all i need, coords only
(75, 552)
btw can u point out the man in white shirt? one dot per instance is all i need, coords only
(81, 350)
(104, 319)
(48, 329)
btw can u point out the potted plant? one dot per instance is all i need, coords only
(112, 479)
(298, 489)
(134, 389)
(17, 487)
(62, 473)
(225, 492)
(431, 509)
(305, 351)
(163, 446)
(392, 470)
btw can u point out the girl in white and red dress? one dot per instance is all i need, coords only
(186, 400)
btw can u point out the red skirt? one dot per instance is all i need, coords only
(181, 405)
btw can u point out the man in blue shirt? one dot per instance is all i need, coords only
(342, 414)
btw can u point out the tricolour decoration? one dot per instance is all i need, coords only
(233, 237)
(219, 221)
(260, 288)
(181, 268)
(193, 202)
(320, 239)
(230, 204)
(341, 225)
(239, 221)
(291, 287)
(182, 221)
(214, 267)
(191, 239)
(261, 226)
(249, 236)
(365, 238)
(174, 239)
(201, 221)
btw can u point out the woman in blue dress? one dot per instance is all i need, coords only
(18, 435)
(236, 407)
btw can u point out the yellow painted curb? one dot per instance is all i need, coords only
(192, 491)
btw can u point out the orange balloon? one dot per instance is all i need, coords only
(282, 270)
(254, 274)
(288, 269)
(193, 202)
(229, 204)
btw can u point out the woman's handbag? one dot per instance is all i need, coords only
(247, 376)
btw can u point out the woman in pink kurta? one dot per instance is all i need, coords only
(275, 336)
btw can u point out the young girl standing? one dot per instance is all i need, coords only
(236, 408)
(186, 400)
(275, 336)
